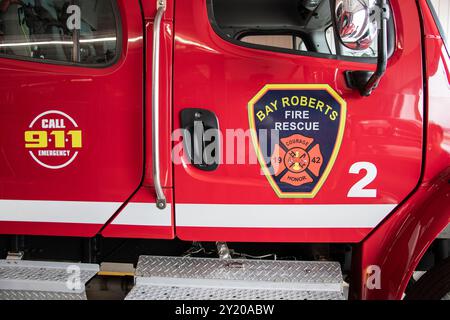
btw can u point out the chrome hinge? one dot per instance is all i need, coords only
(222, 250)
(15, 255)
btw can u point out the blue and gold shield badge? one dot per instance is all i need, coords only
(309, 122)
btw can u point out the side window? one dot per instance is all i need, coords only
(72, 31)
(291, 42)
(303, 26)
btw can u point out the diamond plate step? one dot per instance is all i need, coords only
(37, 280)
(185, 278)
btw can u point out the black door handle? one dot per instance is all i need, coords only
(201, 138)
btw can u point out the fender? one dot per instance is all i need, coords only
(398, 244)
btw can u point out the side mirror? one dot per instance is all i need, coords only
(356, 28)
(355, 23)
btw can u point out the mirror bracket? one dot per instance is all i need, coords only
(358, 80)
(365, 81)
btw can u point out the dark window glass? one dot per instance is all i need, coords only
(300, 26)
(76, 31)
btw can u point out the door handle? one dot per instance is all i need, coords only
(201, 138)
(198, 140)
(160, 197)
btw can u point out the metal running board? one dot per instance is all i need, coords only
(37, 280)
(179, 278)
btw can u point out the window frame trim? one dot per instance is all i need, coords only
(118, 19)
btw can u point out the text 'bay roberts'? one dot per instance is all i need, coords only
(291, 102)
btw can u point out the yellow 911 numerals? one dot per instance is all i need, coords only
(41, 139)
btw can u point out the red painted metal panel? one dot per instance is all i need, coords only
(139, 232)
(385, 128)
(397, 246)
(401, 241)
(316, 235)
(107, 105)
(49, 228)
(438, 80)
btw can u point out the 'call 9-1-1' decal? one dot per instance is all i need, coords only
(53, 139)
(310, 122)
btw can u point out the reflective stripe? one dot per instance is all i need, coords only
(144, 214)
(198, 215)
(282, 216)
(57, 211)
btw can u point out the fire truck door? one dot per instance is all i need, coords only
(71, 114)
(149, 213)
(303, 158)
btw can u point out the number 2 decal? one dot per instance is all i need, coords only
(358, 191)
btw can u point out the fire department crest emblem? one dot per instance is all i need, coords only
(308, 122)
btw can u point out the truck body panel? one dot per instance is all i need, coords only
(75, 197)
(76, 154)
(384, 129)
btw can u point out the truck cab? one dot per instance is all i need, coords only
(313, 130)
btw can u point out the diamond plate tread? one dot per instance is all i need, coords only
(187, 278)
(38, 280)
(154, 292)
(16, 270)
(40, 295)
(240, 269)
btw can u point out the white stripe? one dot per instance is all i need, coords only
(282, 216)
(197, 215)
(57, 211)
(144, 214)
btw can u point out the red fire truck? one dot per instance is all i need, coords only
(232, 149)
